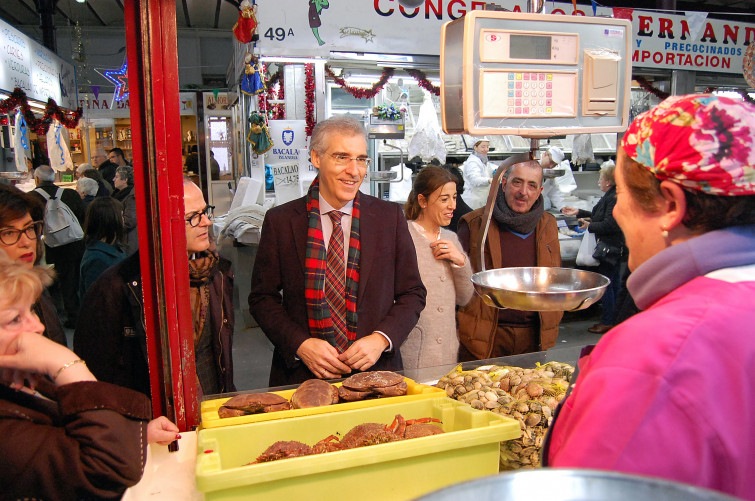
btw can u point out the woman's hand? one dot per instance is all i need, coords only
(569, 211)
(162, 431)
(29, 354)
(444, 249)
(584, 223)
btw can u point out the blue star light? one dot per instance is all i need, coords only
(119, 77)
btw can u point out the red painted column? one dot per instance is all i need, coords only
(156, 133)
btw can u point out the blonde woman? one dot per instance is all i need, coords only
(65, 434)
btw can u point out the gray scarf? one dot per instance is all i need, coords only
(514, 221)
(482, 157)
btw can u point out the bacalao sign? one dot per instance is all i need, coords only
(318, 27)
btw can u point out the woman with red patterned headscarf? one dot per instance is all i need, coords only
(668, 392)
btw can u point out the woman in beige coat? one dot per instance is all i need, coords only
(443, 266)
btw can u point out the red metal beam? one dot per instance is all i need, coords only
(151, 39)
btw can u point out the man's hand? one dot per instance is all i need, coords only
(364, 352)
(322, 359)
(569, 211)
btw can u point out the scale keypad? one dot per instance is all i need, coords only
(529, 93)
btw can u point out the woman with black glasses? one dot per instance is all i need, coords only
(20, 239)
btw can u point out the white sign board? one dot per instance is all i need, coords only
(285, 157)
(30, 66)
(660, 40)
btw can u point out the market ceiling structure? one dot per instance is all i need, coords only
(223, 14)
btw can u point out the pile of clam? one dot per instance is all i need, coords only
(528, 395)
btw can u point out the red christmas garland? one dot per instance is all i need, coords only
(278, 110)
(360, 92)
(309, 97)
(18, 99)
(423, 82)
(649, 88)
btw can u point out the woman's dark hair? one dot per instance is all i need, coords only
(15, 204)
(104, 221)
(458, 177)
(429, 179)
(93, 174)
(704, 213)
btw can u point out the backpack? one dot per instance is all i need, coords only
(61, 225)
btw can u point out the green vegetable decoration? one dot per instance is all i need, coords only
(258, 134)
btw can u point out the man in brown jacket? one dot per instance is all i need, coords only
(521, 233)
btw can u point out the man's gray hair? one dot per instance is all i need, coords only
(81, 169)
(44, 173)
(532, 164)
(87, 186)
(346, 125)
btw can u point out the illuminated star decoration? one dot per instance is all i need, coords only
(119, 77)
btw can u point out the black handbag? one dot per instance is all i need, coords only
(606, 253)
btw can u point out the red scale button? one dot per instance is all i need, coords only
(519, 85)
(541, 76)
(526, 76)
(548, 102)
(526, 111)
(518, 102)
(518, 111)
(549, 85)
(548, 93)
(518, 93)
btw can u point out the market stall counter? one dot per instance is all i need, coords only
(219, 459)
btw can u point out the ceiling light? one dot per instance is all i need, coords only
(82, 1)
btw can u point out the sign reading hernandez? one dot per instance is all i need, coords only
(660, 40)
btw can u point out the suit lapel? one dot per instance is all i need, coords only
(299, 224)
(368, 234)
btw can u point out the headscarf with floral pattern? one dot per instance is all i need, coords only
(700, 142)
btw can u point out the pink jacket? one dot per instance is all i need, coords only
(670, 392)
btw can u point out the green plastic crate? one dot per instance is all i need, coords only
(414, 391)
(392, 471)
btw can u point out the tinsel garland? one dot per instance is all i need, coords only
(649, 88)
(423, 82)
(18, 99)
(278, 110)
(309, 97)
(360, 92)
(272, 112)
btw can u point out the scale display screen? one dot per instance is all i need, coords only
(529, 47)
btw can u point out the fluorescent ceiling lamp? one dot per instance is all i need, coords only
(82, 1)
(299, 60)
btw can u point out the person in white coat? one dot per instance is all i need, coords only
(477, 179)
(553, 196)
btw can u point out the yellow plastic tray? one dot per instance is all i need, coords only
(210, 418)
(392, 471)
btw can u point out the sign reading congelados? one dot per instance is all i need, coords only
(659, 40)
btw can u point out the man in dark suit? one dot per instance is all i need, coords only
(66, 258)
(320, 328)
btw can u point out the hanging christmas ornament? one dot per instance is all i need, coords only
(245, 27)
(119, 77)
(57, 149)
(410, 3)
(21, 142)
(258, 134)
(251, 81)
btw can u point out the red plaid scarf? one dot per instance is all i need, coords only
(318, 313)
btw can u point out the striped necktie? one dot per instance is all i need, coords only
(335, 282)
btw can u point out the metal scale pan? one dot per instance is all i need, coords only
(532, 288)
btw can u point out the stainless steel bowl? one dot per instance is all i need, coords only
(556, 484)
(539, 288)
